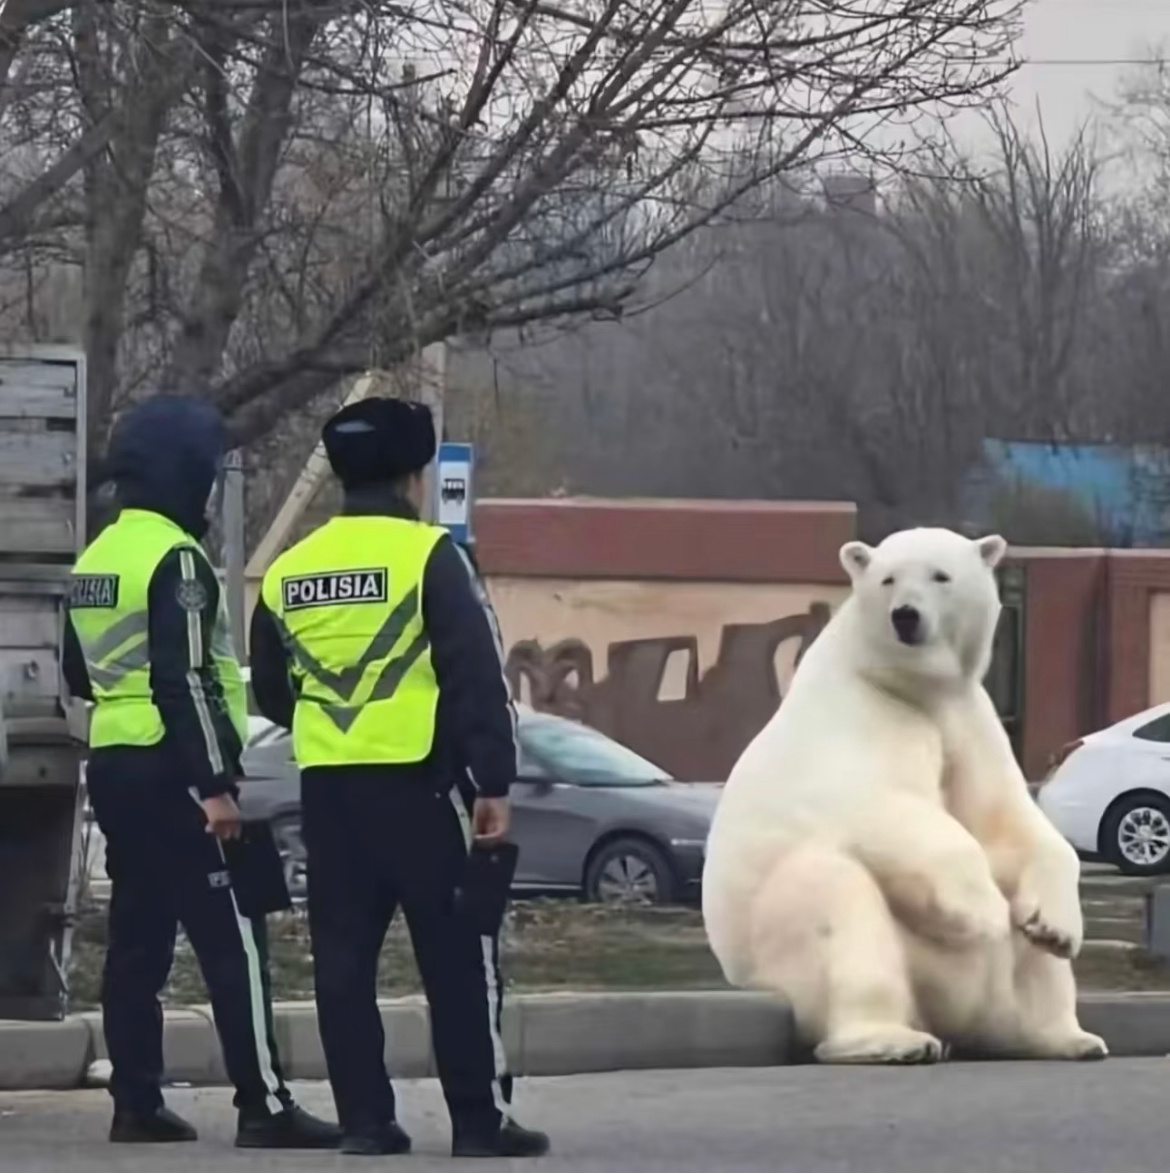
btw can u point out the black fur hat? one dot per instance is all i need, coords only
(377, 440)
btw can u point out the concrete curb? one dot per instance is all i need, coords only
(544, 1034)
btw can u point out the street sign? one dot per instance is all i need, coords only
(455, 493)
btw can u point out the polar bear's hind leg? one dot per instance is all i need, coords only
(823, 937)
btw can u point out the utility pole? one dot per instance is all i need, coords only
(432, 386)
(233, 545)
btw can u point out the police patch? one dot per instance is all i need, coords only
(368, 586)
(191, 594)
(94, 591)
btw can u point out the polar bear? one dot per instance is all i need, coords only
(875, 858)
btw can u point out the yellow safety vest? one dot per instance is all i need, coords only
(109, 610)
(348, 602)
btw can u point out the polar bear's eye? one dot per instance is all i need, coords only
(888, 581)
(941, 577)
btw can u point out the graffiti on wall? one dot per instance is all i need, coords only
(696, 735)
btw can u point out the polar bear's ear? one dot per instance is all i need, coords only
(855, 558)
(991, 549)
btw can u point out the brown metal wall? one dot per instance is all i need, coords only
(1086, 639)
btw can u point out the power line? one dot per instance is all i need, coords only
(1083, 61)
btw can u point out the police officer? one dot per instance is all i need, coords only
(147, 642)
(370, 644)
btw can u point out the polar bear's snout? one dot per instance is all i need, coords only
(908, 625)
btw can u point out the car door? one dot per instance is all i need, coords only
(548, 827)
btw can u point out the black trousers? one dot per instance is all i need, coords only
(165, 871)
(374, 844)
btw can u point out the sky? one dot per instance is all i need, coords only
(1076, 51)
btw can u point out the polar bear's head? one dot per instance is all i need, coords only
(927, 603)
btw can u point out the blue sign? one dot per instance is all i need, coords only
(453, 478)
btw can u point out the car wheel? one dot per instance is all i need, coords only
(286, 831)
(629, 872)
(1135, 835)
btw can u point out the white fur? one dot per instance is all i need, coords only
(876, 859)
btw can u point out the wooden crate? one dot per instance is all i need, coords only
(42, 454)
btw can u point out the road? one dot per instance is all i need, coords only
(977, 1117)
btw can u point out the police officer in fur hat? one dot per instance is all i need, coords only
(371, 644)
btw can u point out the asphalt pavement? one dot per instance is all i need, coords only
(977, 1117)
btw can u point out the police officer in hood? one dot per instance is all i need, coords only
(371, 645)
(147, 642)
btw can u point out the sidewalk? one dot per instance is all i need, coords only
(545, 1035)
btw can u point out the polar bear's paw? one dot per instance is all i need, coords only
(1074, 1045)
(892, 1044)
(1054, 925)
(1087, 1046)
(1054, 939)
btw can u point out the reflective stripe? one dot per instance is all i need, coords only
(112, 672)
(344, 682)
(194, 680)
(135, 624)
(343, 716)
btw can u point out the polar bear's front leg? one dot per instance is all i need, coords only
(1046, 905)
(986, 792)
(933, 872)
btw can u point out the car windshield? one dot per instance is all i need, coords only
(578, 754)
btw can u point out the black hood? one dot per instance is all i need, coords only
(165, 455)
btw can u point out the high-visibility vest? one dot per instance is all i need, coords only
(348, 602)
(109, 610)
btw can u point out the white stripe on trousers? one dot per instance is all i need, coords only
(499, 1060)
(256, 999)
(488, 947)
(255, 994)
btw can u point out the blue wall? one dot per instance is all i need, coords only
(1127, 490)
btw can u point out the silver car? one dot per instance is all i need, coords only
(590, 816)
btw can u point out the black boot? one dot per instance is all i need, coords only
(290, 1129)
(391, 1138)
(160, 1126)
(508, 1141)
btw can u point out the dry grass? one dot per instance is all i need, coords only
(548, 945)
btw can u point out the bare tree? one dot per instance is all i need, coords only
(827, 351)
(263, 197)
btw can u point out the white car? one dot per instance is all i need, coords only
(1109, 793)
